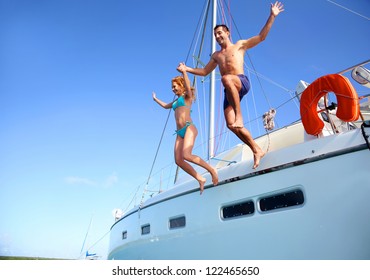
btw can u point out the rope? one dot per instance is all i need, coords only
(222, 125)
(168, 116)
(222, 14)
(365, 17)
(198, 26)
(206, 12)
(198, 61)
(259, 75)
(159, 145)
(251, 62)
(224, 160)
(100, 239)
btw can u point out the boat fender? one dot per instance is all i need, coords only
(348, 102)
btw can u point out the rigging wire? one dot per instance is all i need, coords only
(221, 132)
(87, 233)
(365, 17)
(197, 61)
(250, 59)
(100, 239)
(206, 12)
(257, 77)
(250, 70)
(168, 116)
(253, 70)
(159, 145)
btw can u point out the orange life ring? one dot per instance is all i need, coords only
(348, 103)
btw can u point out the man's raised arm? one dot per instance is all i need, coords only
(276, 9)
(211, 65)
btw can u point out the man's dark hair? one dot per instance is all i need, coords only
(224, 27)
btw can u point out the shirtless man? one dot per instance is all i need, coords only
(230, 60)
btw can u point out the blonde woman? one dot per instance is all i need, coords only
(186, 130)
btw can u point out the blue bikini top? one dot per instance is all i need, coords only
(180, 102)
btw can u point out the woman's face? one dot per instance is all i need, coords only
(177, 89)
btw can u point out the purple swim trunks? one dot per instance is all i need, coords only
(243, 91)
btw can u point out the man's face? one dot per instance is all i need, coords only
(221, 35)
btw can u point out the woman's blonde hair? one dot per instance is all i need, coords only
(180, 80)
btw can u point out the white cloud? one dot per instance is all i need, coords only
(107, 183)
(110, 180)
(72, 180)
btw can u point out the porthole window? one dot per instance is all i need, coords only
(282, 200)
(124, 235)
(238, 210)
(145, 229)
(178, 222)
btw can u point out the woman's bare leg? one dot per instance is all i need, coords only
(180, 161)
(191, 134)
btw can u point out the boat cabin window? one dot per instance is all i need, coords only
(124, 235)
(145, 229)
(237, 210)
(177, 222)
(282, 200)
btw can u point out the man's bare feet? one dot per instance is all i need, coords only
(214, 176)
(201, 184)
(257, 157)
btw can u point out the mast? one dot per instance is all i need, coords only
(211, 138)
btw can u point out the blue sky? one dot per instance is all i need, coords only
(78, 127)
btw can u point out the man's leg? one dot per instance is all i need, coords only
(244, 135)
(232, 86)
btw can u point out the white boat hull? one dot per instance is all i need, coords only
(330, 221)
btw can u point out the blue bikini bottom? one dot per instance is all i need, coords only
(181, 132)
